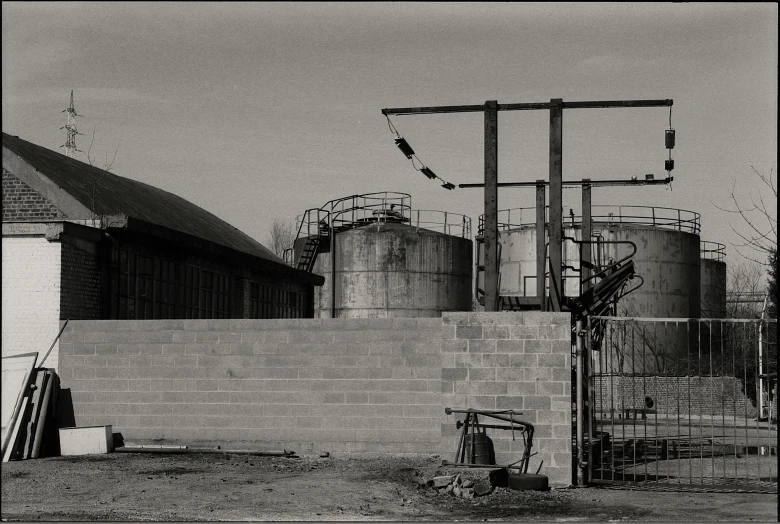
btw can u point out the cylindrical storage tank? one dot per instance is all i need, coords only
(386, 270)
(713, 280)
(666, 259)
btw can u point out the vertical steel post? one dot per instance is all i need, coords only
(491, 205)
(581, 377)
(586, 233)
(541, 251)
(556, 204)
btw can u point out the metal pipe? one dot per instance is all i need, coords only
(581, 465)
(577, 183)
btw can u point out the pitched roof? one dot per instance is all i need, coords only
(116, 195)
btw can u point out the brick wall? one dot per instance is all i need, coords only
(342, 385)
(80, 283)
(518, 361)
(21, 202)
(712, 396)
(31, 296)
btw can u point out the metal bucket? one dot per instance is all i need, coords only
(483, 449)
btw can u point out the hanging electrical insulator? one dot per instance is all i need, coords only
(404, 146)
(449, 186)
(427, 172)
(669, 164)
(669, 136)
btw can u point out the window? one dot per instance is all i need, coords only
(151, 287)
(270, 302)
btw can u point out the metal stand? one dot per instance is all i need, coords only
(471, 426)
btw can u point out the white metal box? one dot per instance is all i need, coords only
(87, 440)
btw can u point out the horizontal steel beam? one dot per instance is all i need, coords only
(573, 183)
(525, 107)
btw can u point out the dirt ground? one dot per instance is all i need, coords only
(190, 487)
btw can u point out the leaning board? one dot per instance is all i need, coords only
(16, 375)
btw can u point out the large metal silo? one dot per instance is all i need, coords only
(713, 280)
(666, 261)
(666, 258)
(393, 261)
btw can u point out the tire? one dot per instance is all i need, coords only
(528, 482)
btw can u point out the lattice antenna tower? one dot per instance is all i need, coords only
(70, 127)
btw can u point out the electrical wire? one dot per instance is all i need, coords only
(414, 157)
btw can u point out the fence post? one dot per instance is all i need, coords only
(581, 464)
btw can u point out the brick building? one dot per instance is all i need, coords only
(82, 243)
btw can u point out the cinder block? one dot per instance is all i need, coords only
(482, 346)
(521, 388)
(538, 402)
(118, 336)
(455, 318)
(105, 372)
(128, 349)
(510, 374)
(454, 346)
(496, 332)
(537, 346)
(524, 332)
(139, 384)
(497, 360)
(561, 346)
(480, 374)
(333, 398)
(554, 417)
(509, 402)
(555, 332)
(468, 360)
(523, 360)
(150, 349)
(83, 349)
(550, 388)
(500, 318)
(451, 374)
(482, 402)
(552, 361)
(468, 332)
(509, 346)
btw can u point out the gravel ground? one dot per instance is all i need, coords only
(189, 487)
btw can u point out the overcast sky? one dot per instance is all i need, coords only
(262, 110)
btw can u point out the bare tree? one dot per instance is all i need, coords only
(745, 289)
(281, 236)
(759, 214)
(96, 182)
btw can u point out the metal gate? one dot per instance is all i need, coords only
(683, 403)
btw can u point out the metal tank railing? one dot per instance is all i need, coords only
(381, 207)
(644, 216)
(712, 250)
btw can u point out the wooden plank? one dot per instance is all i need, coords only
(41, 381)
(13, 435)
(44, 415)
(16, 373)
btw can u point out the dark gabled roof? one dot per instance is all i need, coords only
(115, 195)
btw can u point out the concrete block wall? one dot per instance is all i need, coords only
(356, 385)
(31, 296)
(341, 385)
(519, 361)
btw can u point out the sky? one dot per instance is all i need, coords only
(259, 111)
